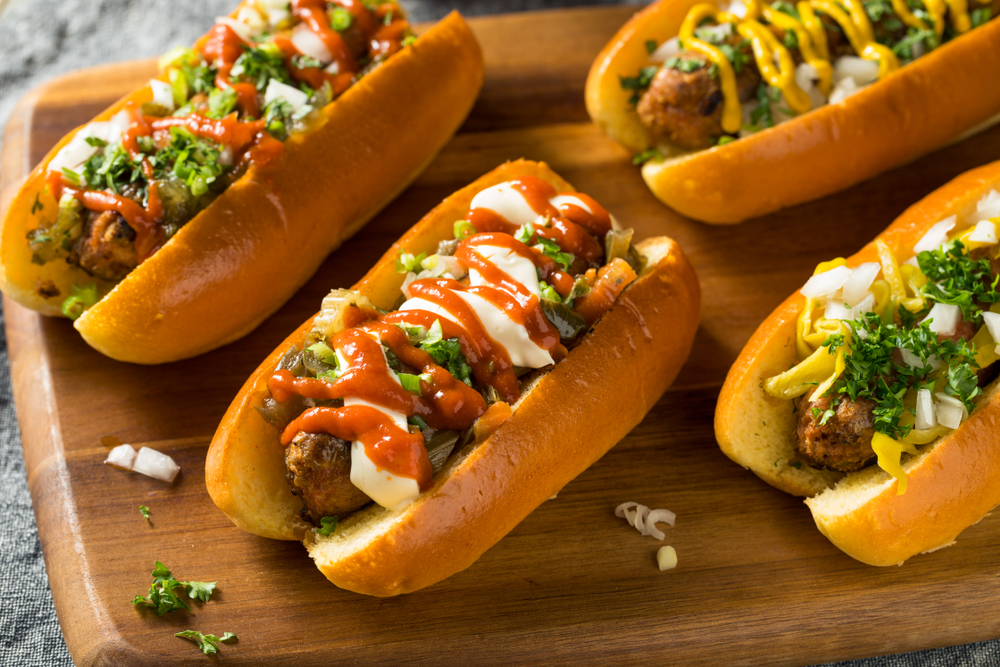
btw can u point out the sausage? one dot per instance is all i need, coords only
(319, 472)
(843, 442)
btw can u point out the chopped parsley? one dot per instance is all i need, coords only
(37, 206)
(738, 55)
(637, 84)
(447, 353)
(914, 36)
(164, 593)
(786, 7)
(953, 277)
(260, 64)
(646, 156)
(221, 102)
(328, 524)
(763, 116)
(872, 372)
(980, 16)
(651, 46)
(686, 65)
(209, 644)
(190, 159)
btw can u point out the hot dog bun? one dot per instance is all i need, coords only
(486, 489)
(929, 103)
(952, 483)
(238, 260)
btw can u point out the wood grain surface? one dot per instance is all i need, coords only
(756, 582)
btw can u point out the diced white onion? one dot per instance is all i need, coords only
(826, 283)
(925, 411)
(992, 321)
(951, 412)
(945, 318)
(913, 361)
(736, 7)
(122, 456)
(843, 89)
(987, 207)
(163, 94)
(620, 510)
(666, 558)
(252, 19)
(860, 280)
(242, 30)
(985, 232)
(836, 309)
(665, 51)
(277, 90)
(309, 44)
(155, 464)
(912, 262)
(936, 235)
(805, 78)
(860, 70)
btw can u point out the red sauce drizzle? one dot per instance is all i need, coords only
(224, 46)
(387, 446)
(571, 226)
(148, 235)
(313, 14)
(444, 402)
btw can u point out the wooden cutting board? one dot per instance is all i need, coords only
(572, 584)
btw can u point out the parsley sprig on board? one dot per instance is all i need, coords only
(209, 644)
(164, 593)
(957, 279)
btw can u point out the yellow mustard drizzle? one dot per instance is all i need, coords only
(775, 62)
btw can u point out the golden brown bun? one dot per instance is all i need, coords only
(951, 484)
(488, 487)
(922, 107)
(242, 257)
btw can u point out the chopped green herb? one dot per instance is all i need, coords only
(651, 45)
(639, 83)
(95, 142)
(411, 383)
(646, 156)
(686, 65)
(408, 262)
(340, 19)
(790, 40)
(163, 593)
(305, 62)
(739, 55)
(221, 102)
(37, 206)
(980, 16)
(260, 64)
(144, 511)
(409, 39)
(417, 420)
(957, 279)
(328, 524)
(725, 139)
(548, 292)
(80, 300)
(463, 229)
(525, 233)
(915, 36)
(71, 176)
(209, 644)
(553, 250)
(446, 353)
(388, 19)
(786, 7)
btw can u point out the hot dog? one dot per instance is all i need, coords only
(741, 109)
(502, 359)
(189, 211)
(875, 395)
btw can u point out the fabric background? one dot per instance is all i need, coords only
(40, 39)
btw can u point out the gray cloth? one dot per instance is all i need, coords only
(40, 39)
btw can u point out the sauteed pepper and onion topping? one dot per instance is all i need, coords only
(736, 70)
(373, 403)
(895, 355)
(122, 187)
